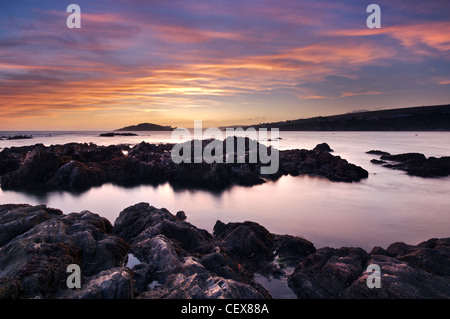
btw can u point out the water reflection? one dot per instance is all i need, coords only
(373, 213)
(387, 207)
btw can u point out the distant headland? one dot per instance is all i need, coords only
(146, 127)
(422, 118)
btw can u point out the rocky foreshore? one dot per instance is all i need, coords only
(178, 260)
(78, 167)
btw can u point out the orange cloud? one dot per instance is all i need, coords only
(435, 35)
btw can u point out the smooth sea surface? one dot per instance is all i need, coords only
(387, 207)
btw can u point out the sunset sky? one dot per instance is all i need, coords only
(225, 62)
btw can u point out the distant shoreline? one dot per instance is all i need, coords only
(422, 118)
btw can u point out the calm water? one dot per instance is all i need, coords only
(389, 206)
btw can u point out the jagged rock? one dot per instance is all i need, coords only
(195, 286)
(77, 167)
(407, 271)
(35, 260)
(378, 162)
(417, 164)
(328, 272)
(16, 219)
(297, 162)
(323, 147)
(177, 255)
(113, 283)
(377, 152)
(246, 240)
(178, 260)
(38, 166)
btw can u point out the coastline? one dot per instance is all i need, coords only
(178, 260)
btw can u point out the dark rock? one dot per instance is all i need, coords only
(181, 215)
(323, 147)
(19, 137)
(432, 256)
(113, 283)
(378, 162)
(147, 222)
(217, 264)
(36, 260)
(12, 158)
(142, 276)
(16, 219)
(399, 280)
(417, 164)
(38, 166)
(296, 162)
(245, 241)
(196, 286)
(377, 152)
(292, 249)
(178, 260)
(379, 251)
(406, 272)
(77, 167)
(417, 157)
(328, 272)
(181, 257)
(117, 134)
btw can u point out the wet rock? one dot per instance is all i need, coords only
(113, 283)
(181, 215)
(36, 260)
(292, 249)
(142, 221)
(377, 152)
(328, 272)
(319, 163)
(417, 164)
(16, 219)
(432, 256)
(245, 241)
(378, 162)
(178, 260)
(76, 166)
(407, 271)
(323, 147)
(12, 158)
(142, 277)
(195, 286)
(399, 280)
(38, 166)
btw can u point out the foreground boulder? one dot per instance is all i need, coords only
(35, 255)
(407, 271)
(171, 251)
(174, 259)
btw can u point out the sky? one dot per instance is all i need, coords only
(225, 62)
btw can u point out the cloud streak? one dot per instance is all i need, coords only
(180, 60)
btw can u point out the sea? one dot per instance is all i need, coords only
(389, 206)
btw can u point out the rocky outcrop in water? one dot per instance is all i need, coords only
(415, 164)
(178, 260)
(80, 166)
